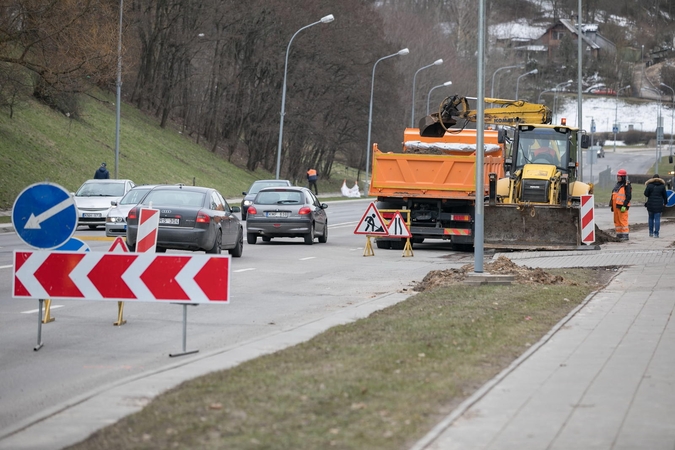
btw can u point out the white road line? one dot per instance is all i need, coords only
(6, 267)
(244, 270)
(343, 225)
(32, 311)
(308, 258)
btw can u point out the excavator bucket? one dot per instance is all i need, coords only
(433, 126)
(528, 227)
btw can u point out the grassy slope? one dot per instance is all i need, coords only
(40, 144)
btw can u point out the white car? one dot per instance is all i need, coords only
(93, 200)
(116, 222)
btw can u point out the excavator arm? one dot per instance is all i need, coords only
(511, 112)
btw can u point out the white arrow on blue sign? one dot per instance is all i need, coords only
(44, 215)
(671, 198)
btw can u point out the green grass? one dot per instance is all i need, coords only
(39, 144)
(378, 383)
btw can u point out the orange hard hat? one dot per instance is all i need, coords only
(621, 173)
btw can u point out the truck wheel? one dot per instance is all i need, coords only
(383, 244)
(398, 245)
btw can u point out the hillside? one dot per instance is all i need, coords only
(39, 144)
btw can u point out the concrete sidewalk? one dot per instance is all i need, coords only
(603, 378)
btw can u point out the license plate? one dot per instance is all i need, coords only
(277, 214)
(89, 215)
(168, 221)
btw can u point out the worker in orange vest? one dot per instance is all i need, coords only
(312, 176)
(621, 195)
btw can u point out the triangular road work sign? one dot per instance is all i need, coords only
(371, 223)
(118, 246)
(397, 227)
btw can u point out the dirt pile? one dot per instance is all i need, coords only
(502, 265)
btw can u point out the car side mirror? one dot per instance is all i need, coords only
(243, 193)
(670, 159)
(324, 206)
(235, 209)
(113, 203)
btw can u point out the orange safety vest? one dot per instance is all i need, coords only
(311, 173)
(620, 218)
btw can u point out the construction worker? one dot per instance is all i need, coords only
(621, 195)
(312, 176)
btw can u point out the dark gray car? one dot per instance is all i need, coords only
(286, 212)
(191, 218)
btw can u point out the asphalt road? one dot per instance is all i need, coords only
(274, 286)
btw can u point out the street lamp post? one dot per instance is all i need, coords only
(119, 94)
(438, 62)
(658, 127)
(555, 96)
(492, 86)
(447, 83)
(672, 108)
(615, 128)
(531, 72)
(401, 52)
(326, 19)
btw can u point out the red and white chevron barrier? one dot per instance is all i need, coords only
(148, 222)
(587, 219)
(121, 276)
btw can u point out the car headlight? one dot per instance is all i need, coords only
(247, 202)
(114, 219)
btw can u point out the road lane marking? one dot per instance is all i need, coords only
(244, 270)
(32, 311)
(6, 267)
(309, 257)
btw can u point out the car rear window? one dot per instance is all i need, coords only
(279, 196)
(175, 198)
(257, 186)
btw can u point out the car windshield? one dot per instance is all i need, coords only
(175, 198)
(134, 196)
(101, 190)
(279, 197)
(258, 185)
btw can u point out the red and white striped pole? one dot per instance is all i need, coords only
(587, 219)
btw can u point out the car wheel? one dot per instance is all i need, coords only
(324, 237)
(92, 227)
(266, 238)
(251, 238)
(216, 245)
(239, 248)
(309, 237)
(243, 215)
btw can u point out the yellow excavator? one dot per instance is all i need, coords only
(536, 204)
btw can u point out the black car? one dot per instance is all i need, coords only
(287, 212)
(253, 191)
(191, 218)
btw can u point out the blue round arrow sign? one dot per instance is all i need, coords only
(44, 215)
(671, 198)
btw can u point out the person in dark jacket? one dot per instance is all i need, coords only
(102, 173)
(655, 192)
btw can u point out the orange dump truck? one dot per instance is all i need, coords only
(434, 178)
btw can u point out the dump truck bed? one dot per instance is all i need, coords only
(437, 168)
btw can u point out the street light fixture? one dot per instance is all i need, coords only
(672, 108)
(325, 19)
(438, 62)
(615, 128)
(401, 52)
(531, 72)
(447, 83)
(492, 86)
